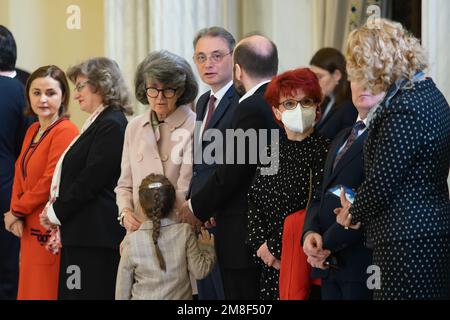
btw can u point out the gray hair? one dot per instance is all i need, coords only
(169, 69)
(216, 32)
(105, 77)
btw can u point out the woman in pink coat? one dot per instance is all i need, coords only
(160, 140)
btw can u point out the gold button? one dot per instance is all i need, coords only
(164, 158)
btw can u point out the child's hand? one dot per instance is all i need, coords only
(205, 237)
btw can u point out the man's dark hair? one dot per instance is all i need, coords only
(256, 63)
(8, 50)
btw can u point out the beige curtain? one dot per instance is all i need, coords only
(136, 27)
(332, 25)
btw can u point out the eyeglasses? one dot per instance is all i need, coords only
(80, 86)
(215, 57)
(167, 92)
(291, 104)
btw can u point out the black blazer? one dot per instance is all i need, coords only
(12, 130)
(347, 246)
(339, 117)
(221, 120)
(225, 192)
(86, 206)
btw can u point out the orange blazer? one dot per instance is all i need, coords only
(39, 269)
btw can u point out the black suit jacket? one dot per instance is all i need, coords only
(12, 130)
(86, 206)
(339, 117)
(347, 246)
(221, 120)
(225, 192)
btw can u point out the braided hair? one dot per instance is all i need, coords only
(157, 198)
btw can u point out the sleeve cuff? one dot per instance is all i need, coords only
(190, 206)
(52, 216)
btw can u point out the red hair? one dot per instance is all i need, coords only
(289, 83)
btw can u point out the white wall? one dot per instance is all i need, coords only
(289, 23)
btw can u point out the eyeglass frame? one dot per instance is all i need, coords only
(210, 56)
(81, 85)
(161, 90)
(297, 102)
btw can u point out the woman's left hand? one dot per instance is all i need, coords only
(44, 220)
(344, 218)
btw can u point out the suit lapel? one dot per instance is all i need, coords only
(221, 108)
(202, 105)
(334, 147)
(91, 127)
(351, 153)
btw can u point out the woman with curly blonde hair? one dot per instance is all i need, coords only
(403, 204)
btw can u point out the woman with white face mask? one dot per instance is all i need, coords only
(294, 96)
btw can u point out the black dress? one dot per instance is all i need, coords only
(273, 197)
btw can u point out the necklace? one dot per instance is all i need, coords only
(41, 130)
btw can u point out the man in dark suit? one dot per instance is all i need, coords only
(339, 255)
(215, 109)
(255, 62)
(13, 125)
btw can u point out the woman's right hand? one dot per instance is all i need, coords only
(130, 221)
(17, 228)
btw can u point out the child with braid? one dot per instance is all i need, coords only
(157, 258)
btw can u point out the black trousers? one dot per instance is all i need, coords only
(333, 289)
(9, 264)
(88, 273)
(241, 284)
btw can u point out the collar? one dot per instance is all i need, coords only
(359, 119)
(148, 225)
(9, 74)
(221, 93)
(252, 91)
(175, 120)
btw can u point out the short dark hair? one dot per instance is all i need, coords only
(57, 74)
(255, 63)
(8, 50)
(214, 32)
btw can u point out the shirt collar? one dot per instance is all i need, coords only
(9, 74)
(219, 94)
(252, 91)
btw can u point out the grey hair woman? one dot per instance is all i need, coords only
(160, 140)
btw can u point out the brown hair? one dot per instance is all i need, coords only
(157, 198)
(331, 59)
(57, 74)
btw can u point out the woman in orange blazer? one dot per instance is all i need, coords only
(45, 141)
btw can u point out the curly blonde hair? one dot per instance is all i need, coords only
(382, 52)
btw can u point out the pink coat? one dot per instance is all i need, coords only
(167, 150)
